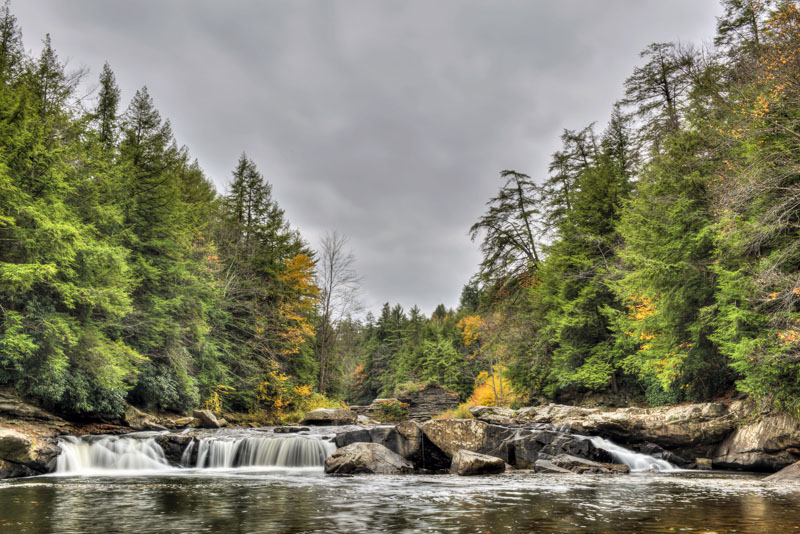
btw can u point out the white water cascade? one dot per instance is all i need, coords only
(110, 453)
(635, 460)
(293, 451)
(113, 454)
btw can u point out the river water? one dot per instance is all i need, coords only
(276, 499)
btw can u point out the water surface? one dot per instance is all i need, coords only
(304, 500)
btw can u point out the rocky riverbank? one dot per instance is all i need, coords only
(543, 438)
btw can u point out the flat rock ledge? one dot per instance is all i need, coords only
(330, 417)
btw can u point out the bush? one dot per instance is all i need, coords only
(391, 410)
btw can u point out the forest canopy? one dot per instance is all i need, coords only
(656, 261)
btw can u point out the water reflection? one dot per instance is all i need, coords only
(303, 502)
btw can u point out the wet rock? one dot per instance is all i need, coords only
(173, 446)
(656, 451)
(330, 416)
(12, 470)
(790, 473)
(366, 458)
(766, 445)
(468, 463)
(494, 414)
(581, 465)
(524, 451)
(546, 466)
(206, 418)
(290, 429)
(704, 464)
(15, 447)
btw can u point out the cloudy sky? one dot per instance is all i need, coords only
(388, 121)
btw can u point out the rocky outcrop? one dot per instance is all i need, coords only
(330, 416)
(429, 402)
(366, 458)
(766, 445)
(789, 474)
(468, 463)
(690, 425)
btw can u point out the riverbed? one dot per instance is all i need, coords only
(305, 500)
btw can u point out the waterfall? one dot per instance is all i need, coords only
(110, 453)
(635, 460)
(294, 451)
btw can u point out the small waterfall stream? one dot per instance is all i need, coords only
(635, 460)
(111, 454)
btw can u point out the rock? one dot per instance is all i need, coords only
(767, 445)
(329, 416)
(405, 439)
(290, 429)
(494, 414)
(174, 445)
(178, 422)
(690, 425)
(546, 466)
(207, 419)
(12, 470)
(704, 464)
(429, 402)
(468, 463)
(790, 473)
(451, 435)
(524, 451)
(367, 458)
(583, 466)
(15, 447)
(13, 406)
(364, 420)
(656, 451)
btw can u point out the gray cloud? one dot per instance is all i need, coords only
(388, 121)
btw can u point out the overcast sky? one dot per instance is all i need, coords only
(388, 121)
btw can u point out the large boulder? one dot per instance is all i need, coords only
(468, 463)
(405, 439)
(330, 416)
(494, 414)
(790, 473)
(766, 445)
(15, 447)
(206, 419)
(366, 458)
(452, 435)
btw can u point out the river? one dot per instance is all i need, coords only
(300, 499)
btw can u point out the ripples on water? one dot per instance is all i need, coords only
(246, 501)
